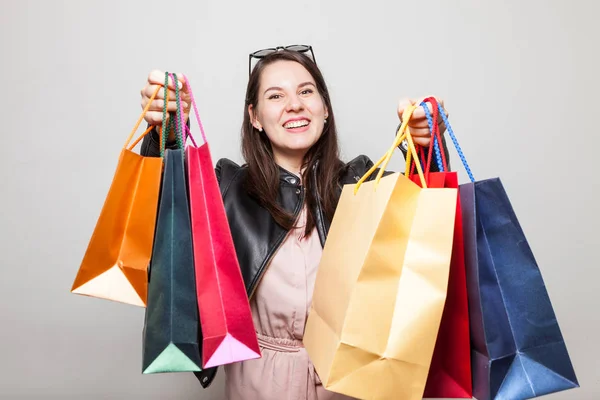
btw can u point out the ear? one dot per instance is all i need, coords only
(326, 112)
(253, 118)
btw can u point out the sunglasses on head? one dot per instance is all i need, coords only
(300, 48)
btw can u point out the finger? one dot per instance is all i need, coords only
(182, 83)
(157, 77)
(421, 127)
(441, 103)
(422, 141)
(403, 104)
(154, 117)
(158, 105)
(420, 132)
(149, 90)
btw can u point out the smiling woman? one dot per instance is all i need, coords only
(279, 206)
(288, 105)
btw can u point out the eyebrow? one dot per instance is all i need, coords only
(299, 86)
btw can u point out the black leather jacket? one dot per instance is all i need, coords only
(255, 233)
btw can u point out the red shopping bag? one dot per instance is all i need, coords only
(450, 369)
(227, 327)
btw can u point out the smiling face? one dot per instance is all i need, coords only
(290, 110)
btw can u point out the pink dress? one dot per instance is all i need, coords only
(280, 308)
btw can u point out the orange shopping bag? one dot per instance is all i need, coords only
(115, 264)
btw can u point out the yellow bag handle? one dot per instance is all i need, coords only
(403, 133)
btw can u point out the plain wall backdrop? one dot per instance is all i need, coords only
(519, 78)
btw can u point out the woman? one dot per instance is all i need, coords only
(279, 206)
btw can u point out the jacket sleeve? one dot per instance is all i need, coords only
(151, 144)
(151, 148)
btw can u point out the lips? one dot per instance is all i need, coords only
(296, 123)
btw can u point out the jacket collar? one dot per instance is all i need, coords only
(290, 177)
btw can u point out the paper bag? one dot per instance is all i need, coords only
(228, 330)
(518, 351)
(171, 333)
(115, 264)
(450, 370)
(381, 285)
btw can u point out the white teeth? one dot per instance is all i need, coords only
(296, 124)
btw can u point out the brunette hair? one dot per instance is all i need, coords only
(263, 173)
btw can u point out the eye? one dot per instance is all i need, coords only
(275, 97)
(307, 91)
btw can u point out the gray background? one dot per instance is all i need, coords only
(520, 80)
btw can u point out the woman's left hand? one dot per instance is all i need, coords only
(419, 127)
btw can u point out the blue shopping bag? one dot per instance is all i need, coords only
(517, 348)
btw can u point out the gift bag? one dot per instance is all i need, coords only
(227, 327)
(450, 370)
(171, 328)
(115, 264)
(518, 351)
(381, 285)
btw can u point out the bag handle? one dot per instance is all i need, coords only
(139, 121)
(436, 138)
(181, 118)
(193, 101)
(436, 135)
(456, 145)
(403, 133)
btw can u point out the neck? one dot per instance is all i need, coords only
(290, 163)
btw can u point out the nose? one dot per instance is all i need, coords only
(294, 104)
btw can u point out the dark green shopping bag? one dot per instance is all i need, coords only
(172, 328)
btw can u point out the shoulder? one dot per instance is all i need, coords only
(353, 170)
(227, 172)
(357, 167)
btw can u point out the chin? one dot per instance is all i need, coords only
(301, 144)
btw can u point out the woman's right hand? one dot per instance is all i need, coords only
(154, 115)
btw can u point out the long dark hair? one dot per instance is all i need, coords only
(263, 172)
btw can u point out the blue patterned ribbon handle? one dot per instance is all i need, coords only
(456, 145)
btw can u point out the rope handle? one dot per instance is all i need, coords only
(181, 123)
(139, 121)
(403, 133)
(164, 130)
(434, 132)
(186, 82)
(456, 145)
(436, 140)
(436, 135)
(179, 119)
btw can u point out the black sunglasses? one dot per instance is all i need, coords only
(300, 48)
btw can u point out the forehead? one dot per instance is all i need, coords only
(284, 74)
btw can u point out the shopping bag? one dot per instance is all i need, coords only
(171, 332)
(381, 284)
(518, 351)
(450, 370)
(227, 327)
(115, 264)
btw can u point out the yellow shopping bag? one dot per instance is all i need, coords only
(381, 285)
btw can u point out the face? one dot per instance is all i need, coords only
(290, 110)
